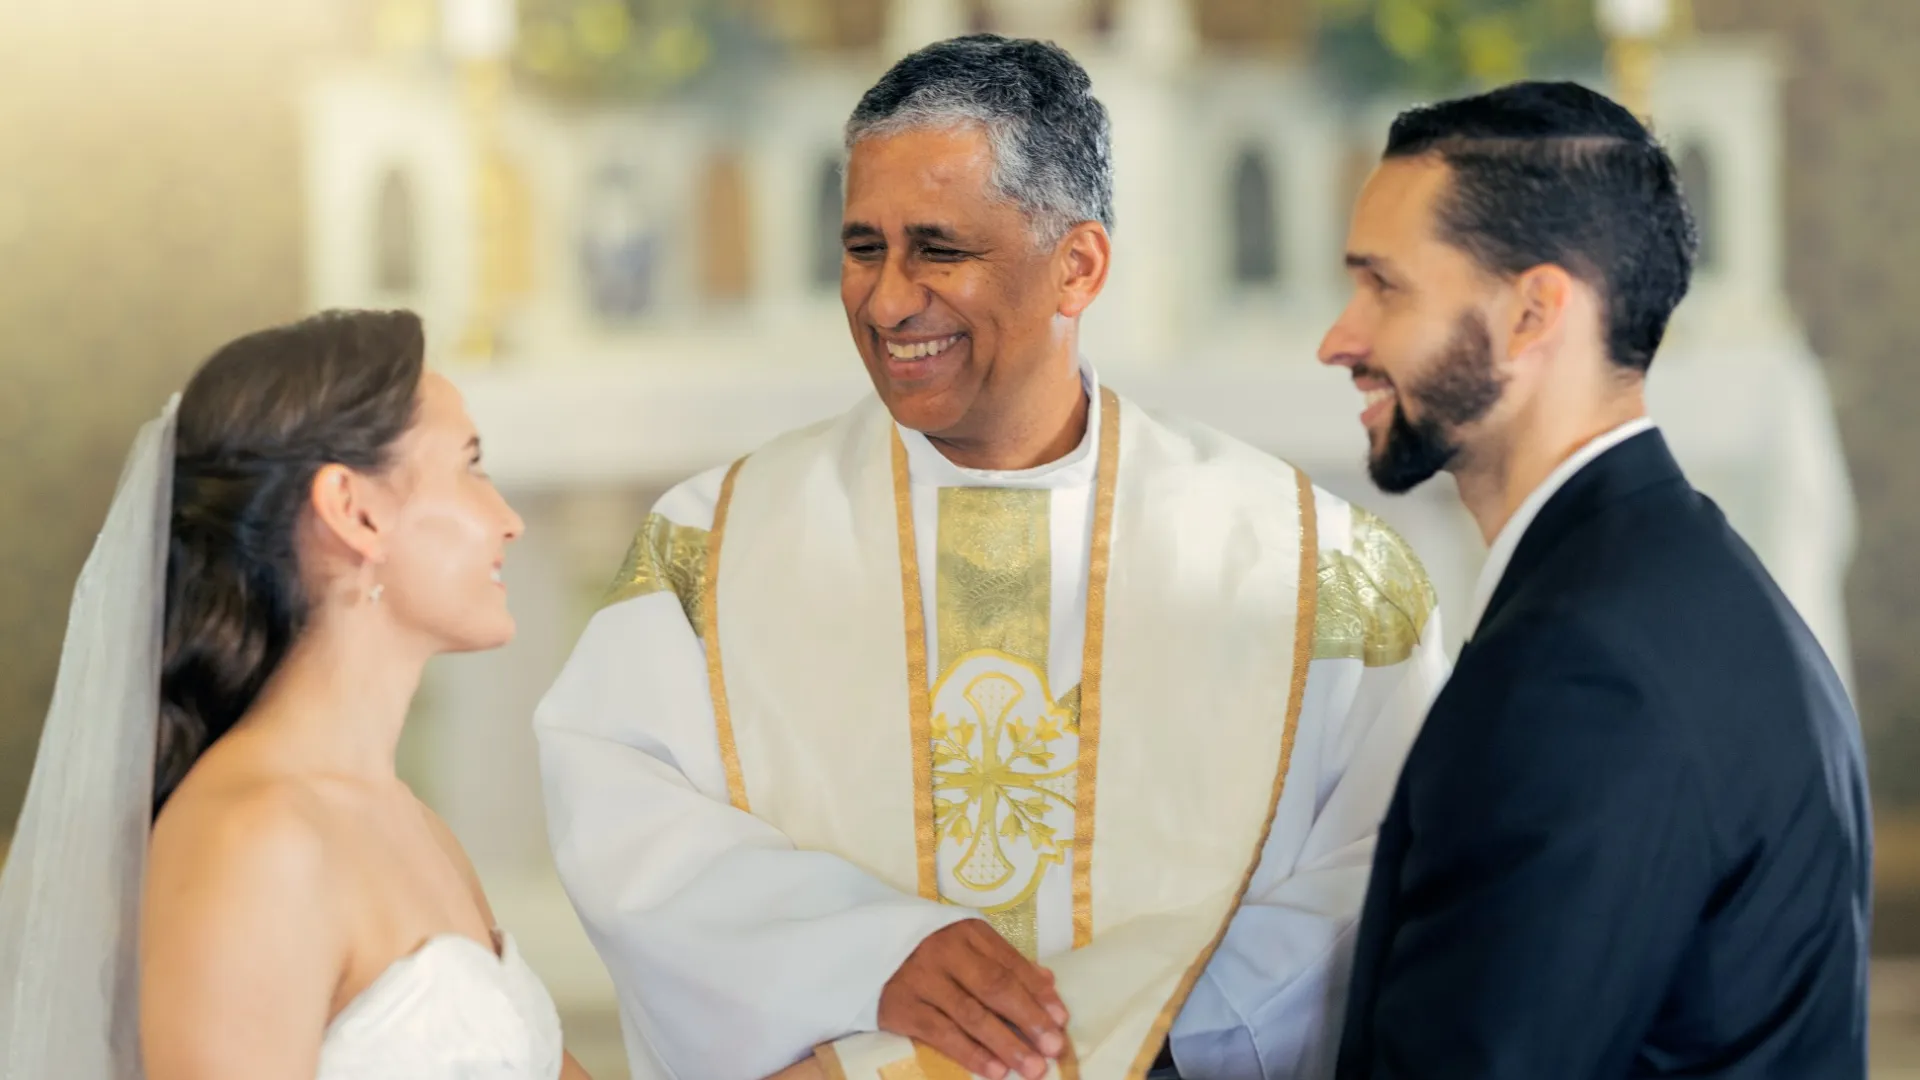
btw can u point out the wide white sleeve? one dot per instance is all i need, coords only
(1270, 1004)
(733, 953)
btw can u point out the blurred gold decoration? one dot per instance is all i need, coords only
(804, 22)
(1254, 24)
(404, 26)
(856, 24)
(1632, 28)
(726, 223)
(396, 237)
(480, 35)
(1636, 30)
(503, 271)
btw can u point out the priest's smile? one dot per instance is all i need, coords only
(918, 360)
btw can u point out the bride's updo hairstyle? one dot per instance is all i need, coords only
(259, 419)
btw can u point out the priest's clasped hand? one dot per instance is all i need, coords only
(968, 994)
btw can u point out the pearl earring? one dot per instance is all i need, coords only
(373, 594)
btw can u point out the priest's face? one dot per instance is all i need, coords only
(954, 306)
(1415, 335)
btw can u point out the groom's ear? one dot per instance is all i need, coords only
(345, 509)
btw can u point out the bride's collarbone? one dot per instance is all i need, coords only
(410, 891)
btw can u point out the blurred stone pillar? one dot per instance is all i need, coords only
(1140, 77)
(914, 23)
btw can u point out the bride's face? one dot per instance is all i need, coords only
(449, 530)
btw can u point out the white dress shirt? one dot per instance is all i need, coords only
(1501, 553)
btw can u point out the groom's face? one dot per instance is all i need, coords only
(951, 302)
(1416, 336)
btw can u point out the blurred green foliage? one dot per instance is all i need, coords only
(627, 49)
(1435, 47)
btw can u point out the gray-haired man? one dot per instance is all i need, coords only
(995, 671)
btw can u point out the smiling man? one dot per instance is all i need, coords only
(995, 727)
(1633, 838)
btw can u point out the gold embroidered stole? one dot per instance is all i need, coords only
(1005, 752)
(831, 732)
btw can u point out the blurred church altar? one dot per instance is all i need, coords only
(634, 286)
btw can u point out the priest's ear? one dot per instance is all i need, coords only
(1080, 262)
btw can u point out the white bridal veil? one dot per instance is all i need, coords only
(70, 892)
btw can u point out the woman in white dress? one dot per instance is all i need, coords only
(251, 628)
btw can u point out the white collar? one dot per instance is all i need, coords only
(1501, 553)
(926, 465)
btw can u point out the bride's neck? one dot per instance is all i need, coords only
(340, 698)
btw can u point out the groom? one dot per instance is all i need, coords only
(1633, 838)
(996, 727)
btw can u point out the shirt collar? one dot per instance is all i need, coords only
(1504, 544)
(926, 465)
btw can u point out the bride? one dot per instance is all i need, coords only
(305, 526)
(217, 874)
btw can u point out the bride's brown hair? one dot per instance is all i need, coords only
(259, 419)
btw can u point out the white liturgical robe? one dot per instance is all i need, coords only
(1141, 709)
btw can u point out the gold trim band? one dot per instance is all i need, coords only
(1099, 560)
(710, 635)
(829, 1061)
(919, 702)
(1296, 694)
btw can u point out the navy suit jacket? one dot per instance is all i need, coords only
(1632, 839)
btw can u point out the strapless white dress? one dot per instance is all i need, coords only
(452, 1010)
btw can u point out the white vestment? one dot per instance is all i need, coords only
(877, 769)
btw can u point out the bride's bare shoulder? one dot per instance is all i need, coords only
(241, 917)
(235, 828)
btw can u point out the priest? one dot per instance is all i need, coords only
(996, 727)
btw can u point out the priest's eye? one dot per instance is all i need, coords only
(943, 254)
(864, 252)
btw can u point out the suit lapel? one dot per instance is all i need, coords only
(1639, 463)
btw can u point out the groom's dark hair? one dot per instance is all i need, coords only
(1554, 173)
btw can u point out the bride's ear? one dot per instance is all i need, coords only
(348, 512)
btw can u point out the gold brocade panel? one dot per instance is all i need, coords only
(665, 556)
(1005, 751)
(1374, 599)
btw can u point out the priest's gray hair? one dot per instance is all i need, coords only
(1051, 139)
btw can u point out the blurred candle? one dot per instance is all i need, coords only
(1632, 18)
(1633, 29)
(478, 29)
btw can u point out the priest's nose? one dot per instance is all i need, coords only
(896, 297)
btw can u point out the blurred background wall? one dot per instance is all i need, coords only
(158, 194)
(150, 208)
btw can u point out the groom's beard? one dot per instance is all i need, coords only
(1459, 388)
